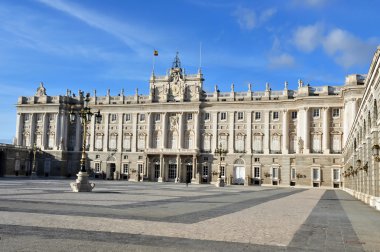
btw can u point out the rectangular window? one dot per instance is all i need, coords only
(222, 159)
(275, 173)
(142, 117)
(113, 117)
(294, 114)
(205, 170)
(293, 174)
(205, 158)
(316, 112)
(97, 167)
(125, 168)
(240, 116)
(275, 115)
(139, 168)
(257, 172)
(172, 171)
(97, 156)
(189, 116)
(207, 116)
(335, 112)
(223, 116)
(157, 117)
(127, 117)
(316, 174)
(257, 116)
(222, 171)
(336, 174)
(125, 157)
(257, 160)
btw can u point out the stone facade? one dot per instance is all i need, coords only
(361, 162)
(283, 137)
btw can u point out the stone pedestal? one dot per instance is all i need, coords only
(82, 184)
(220, 182)
(160, 180)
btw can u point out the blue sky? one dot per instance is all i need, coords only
(98, 45)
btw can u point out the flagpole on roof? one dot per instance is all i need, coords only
(155, 53)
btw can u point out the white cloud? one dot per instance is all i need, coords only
(307, 38)
(267, 14)
(283, 60)
(346, 49)
(136, 37)
(310, 3)
(246, 18)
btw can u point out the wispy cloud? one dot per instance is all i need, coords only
(310, 3)
(307, 38)
(283, 60)
(248, 19)
(137, 38)
(348, 50)
(345, 48)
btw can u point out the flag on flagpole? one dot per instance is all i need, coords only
(155, 53)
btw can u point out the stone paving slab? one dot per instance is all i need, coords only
(176, 218)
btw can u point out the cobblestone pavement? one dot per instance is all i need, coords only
(44, 215)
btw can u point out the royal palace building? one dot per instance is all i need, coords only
(180, 132)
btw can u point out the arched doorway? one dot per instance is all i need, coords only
(156, 169)
(111, 167)
(189, 171)
(239, 172)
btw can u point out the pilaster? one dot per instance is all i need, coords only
(266, 131)
(106, 131)
(326, 131)
(285, 132)
(248, 145)
(231, 132)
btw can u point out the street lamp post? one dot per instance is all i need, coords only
(82, 184)
(35, 151)
(220, 152)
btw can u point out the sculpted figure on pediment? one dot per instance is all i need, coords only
(41, 90)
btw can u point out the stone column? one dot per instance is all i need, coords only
(177, 179)
(194, 168)
(19, 128)
(120, 133)
(164, 134)
(32, 129)
(160, 179)
(78, 134)
(306, 131)
(57, 131)
(44, 131)
(63, 131)
(231, 136)
(92, 133)
(180, 131)
(266, 131)
(214, 131)
(196, 129)
(134, 132)
(149, 131)
(326, 131)
(106, 132)
(248, 144)
(285, 132)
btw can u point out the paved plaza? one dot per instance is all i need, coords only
(44, 215)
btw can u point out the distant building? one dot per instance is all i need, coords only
(282, 137)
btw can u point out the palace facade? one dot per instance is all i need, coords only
(178, 132)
